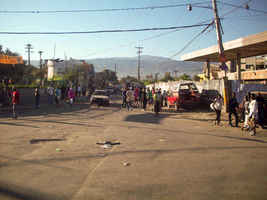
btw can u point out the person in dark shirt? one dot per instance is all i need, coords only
(260, 101)
(15, 102)
(233, 105)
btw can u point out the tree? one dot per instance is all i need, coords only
(167, 77)
(105, 78)
(185, 77)
(196, 78)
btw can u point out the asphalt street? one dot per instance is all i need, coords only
(52, 153)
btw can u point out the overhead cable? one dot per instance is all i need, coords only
(99, 10)
(102, 31)
(193, 39)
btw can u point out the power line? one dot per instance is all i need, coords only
(101, 10)
(193, 39)
(243, 7)
(102, 31)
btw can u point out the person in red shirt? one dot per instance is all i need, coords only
(15, 102)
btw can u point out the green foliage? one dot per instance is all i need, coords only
(167, 77)
(105, 78)
(196, 78)
(148, 82)
(185, 77)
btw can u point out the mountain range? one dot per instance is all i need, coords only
(149, 65)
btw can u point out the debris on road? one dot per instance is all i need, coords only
(126, 164)
(33, 141)
(58, 150)
(162, 140)
(108, 144)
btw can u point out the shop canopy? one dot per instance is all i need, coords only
(4, 59)
(252, 45)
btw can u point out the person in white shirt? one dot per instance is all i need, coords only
(217, 104)
(253, 115)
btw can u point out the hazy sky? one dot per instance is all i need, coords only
(237, 23)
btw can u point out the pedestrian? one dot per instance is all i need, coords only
(260, 101)
(37, 97)
(58, 95)
(165, 97)
(156, 100)
(123, 94)
(129, 96)
(71, 96)
(149, 96)
(253, 115)
(217, 105)
(50, 91)
(233, 105)
(144, 99)
(15, 102)
(246, 112)
(79, 89)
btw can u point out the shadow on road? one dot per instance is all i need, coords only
(146, 118)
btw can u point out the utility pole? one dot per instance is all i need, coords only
(139, 58)
(221, 55)
(218, 32)
(115, 69)
(41, 68)
(28, 48)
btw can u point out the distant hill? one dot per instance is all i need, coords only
(149, 65)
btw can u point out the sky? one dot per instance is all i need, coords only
(236, 23)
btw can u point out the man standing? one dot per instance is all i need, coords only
(15, 102)
(37, 97)
(233, 105)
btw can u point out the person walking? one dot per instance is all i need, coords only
(253, 115)
(217, 104)
(233, 105)
(123, 94)
(157, 99)
(144, 99)
(58, 95)
(37, 97)
(15, 102)
(129, 96)
(246, 113)
(50, 91)
(71, 96)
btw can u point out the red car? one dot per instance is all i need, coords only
(186, 95)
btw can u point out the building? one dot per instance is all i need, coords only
(246, 58)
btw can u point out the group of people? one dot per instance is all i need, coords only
(251, 110)
(59, 94)
(140, 97)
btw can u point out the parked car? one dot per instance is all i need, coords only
(186, 95)
(208, 96)
(100, 97)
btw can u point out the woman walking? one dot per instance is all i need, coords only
(217, 104)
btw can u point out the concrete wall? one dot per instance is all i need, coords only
(242, 90)
(207, 85)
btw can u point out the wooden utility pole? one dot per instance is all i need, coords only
(41, 68)
(28, 48)
(222, 58)
(139, 61)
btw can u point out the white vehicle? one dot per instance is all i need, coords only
(100, 97)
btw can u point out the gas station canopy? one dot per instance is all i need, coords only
(253, 45)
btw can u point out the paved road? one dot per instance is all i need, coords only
(173, 156)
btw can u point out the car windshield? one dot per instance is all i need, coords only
(100, 93)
